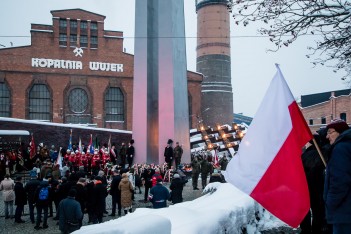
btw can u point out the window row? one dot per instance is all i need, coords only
(324, 119)
(75, 38)
(78, 108)
(73, 24)
(81, 41)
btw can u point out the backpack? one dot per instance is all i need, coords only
(44, 194)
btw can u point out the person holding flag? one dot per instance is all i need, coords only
(91, 146)
(268, 165)
(70, 142)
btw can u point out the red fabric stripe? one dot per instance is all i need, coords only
(283, 188)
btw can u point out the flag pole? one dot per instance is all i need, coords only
(319, 152)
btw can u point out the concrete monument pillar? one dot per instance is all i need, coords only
(160, 93)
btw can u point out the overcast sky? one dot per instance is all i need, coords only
(252, 67)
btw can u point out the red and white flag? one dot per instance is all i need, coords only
(59, 159)
(32, 151)
(216, 162)
(268, 165)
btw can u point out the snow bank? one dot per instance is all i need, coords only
(223, 209)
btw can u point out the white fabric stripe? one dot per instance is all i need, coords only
(264, 138)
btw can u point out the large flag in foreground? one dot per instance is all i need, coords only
(268, 164)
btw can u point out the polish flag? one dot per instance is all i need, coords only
(268, 164)
(216, 163)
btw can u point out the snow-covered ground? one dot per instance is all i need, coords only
(223, 209)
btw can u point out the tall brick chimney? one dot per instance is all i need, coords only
(213, 61)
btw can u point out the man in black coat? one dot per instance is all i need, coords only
(30, 189)
(20, 200)
(130, 153)
(116, 193)
(99, 194)
(176, 187)
(146, 176)
(70, 214)
(169, 153)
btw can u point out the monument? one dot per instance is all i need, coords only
(160, 93)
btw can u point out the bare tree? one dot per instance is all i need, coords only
(287, 20)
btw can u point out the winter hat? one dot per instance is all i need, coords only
(41, 144)
(170, 141)
(98, 178)
(101, 173)
(72, 193)
(339, 125)
(131, 142)
(175, 176)
(33, 173)
(159, 180)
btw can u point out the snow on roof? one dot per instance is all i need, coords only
(226, 210)
(61, 125)
(14, 133)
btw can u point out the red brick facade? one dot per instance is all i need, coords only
(50, 60)
(319, 115)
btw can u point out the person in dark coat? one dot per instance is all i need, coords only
(116, 193)
(81, 196)
(122, 154)
(206, 169)
(195, 172)
(337, 187)
(70, 213)
(176, 187)
(178, 153)
(90, 199)
(99, 194)
(130, 153)
(146, 176)
(30, 189)
(169, 153)
(314, 170)
(20, 199)
(159, 195)
(223, 162)
(42, 205)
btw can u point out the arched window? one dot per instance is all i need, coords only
(4, 101)
(40, 102)
(78, 107)
(114, 105)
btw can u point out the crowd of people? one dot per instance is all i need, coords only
(81, 182)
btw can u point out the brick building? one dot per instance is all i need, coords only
(75, 71)
(320, 108)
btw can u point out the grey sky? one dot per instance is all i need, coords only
(252, 67)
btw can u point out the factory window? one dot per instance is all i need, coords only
(93, 42)
(83, 27)
(93, 26)
(114, 105)
(40, 102)
(343, 116)
(323, 120)
(83, 41)
(78, 109)
(311, 122)
(73, 39)
(73, 26)
(63, 39)
(4, 101)
(63, 23)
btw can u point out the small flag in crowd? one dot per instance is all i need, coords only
(216, 163)
(268, 165)
(70, 141)
(59, 159)
(109, 144)
(90, 146)
(32, 148)
(96, 145)
(80, 149)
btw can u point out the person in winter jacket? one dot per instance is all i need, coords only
(20, 199)
(206, 169)
(30, 189)
(116, 193)
(42, 200)
(195, 164)
(337, 186)
(159, 195)
(168, 154)
(8, 195)
(223, 162)
(314, 170)
(99, 196)
(156, 176)
(176, 187)
(70, 213)
(126, 188)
